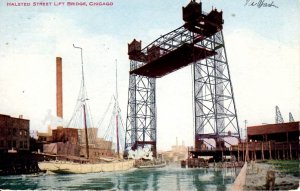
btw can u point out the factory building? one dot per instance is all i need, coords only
(69, 135)
(71, 142)
(14, 133)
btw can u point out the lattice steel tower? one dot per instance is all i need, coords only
(278, 116)
(198, 42)
(141, 111)
(291, 118)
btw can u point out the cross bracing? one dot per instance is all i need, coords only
(199, 42)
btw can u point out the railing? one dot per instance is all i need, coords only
(267, 145)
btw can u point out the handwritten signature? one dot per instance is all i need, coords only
(260, 3)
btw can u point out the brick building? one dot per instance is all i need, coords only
(101, 148)
(71, 142)
(69, 135)
(98, 147)
(14, 133)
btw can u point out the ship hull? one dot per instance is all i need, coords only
(64, 167)
(153, 166)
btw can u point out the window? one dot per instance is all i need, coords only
(14, 144)
(9, 144)
(25, 145)
(14, 131)
(21, 144)
(1, 143)
(21, 132)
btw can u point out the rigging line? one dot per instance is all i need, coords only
(122, 134)
(120, 115)
(110, 129)
(118, 111)
(89, 115)
(105, 113)
(116, 80)
(121, 124)
(108, 118)
(105, 132)
(77, 108)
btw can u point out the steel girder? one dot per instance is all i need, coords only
(215, 110)
(278, 116)
(214, 104)
(141, 112)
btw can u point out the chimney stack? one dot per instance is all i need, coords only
(59, 96)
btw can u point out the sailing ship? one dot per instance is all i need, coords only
(87, 137)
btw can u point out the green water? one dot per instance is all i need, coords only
(168, 178)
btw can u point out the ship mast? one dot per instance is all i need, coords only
(83, 100)
(117, 111)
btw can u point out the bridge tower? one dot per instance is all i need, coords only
(141, 109)
(199, 42)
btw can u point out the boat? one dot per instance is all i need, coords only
(65, 164)
(153, 165)
(66, 167)
(144, 158)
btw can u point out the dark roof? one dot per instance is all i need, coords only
(273, 128)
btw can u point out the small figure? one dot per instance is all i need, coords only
(270, 180)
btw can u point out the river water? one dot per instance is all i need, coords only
(167, 178)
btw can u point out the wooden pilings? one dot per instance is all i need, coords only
(197, 163)
(267, 150)
(239, 156)
(291, 154)
(270, 151)
(262, 152)
(18, 163)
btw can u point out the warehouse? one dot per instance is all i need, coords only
(14, 133)
(271, 141)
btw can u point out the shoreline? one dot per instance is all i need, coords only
(253, 177)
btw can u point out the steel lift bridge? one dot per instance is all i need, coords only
(198, 42)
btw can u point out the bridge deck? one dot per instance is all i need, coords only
(172, 61)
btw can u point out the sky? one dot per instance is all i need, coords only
(262, 45)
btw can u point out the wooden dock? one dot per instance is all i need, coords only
(246, 151)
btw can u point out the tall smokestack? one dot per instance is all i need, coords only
(59, 96)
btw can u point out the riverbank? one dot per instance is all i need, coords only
(253, 176)
(256, 177)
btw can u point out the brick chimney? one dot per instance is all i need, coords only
(59, 94)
